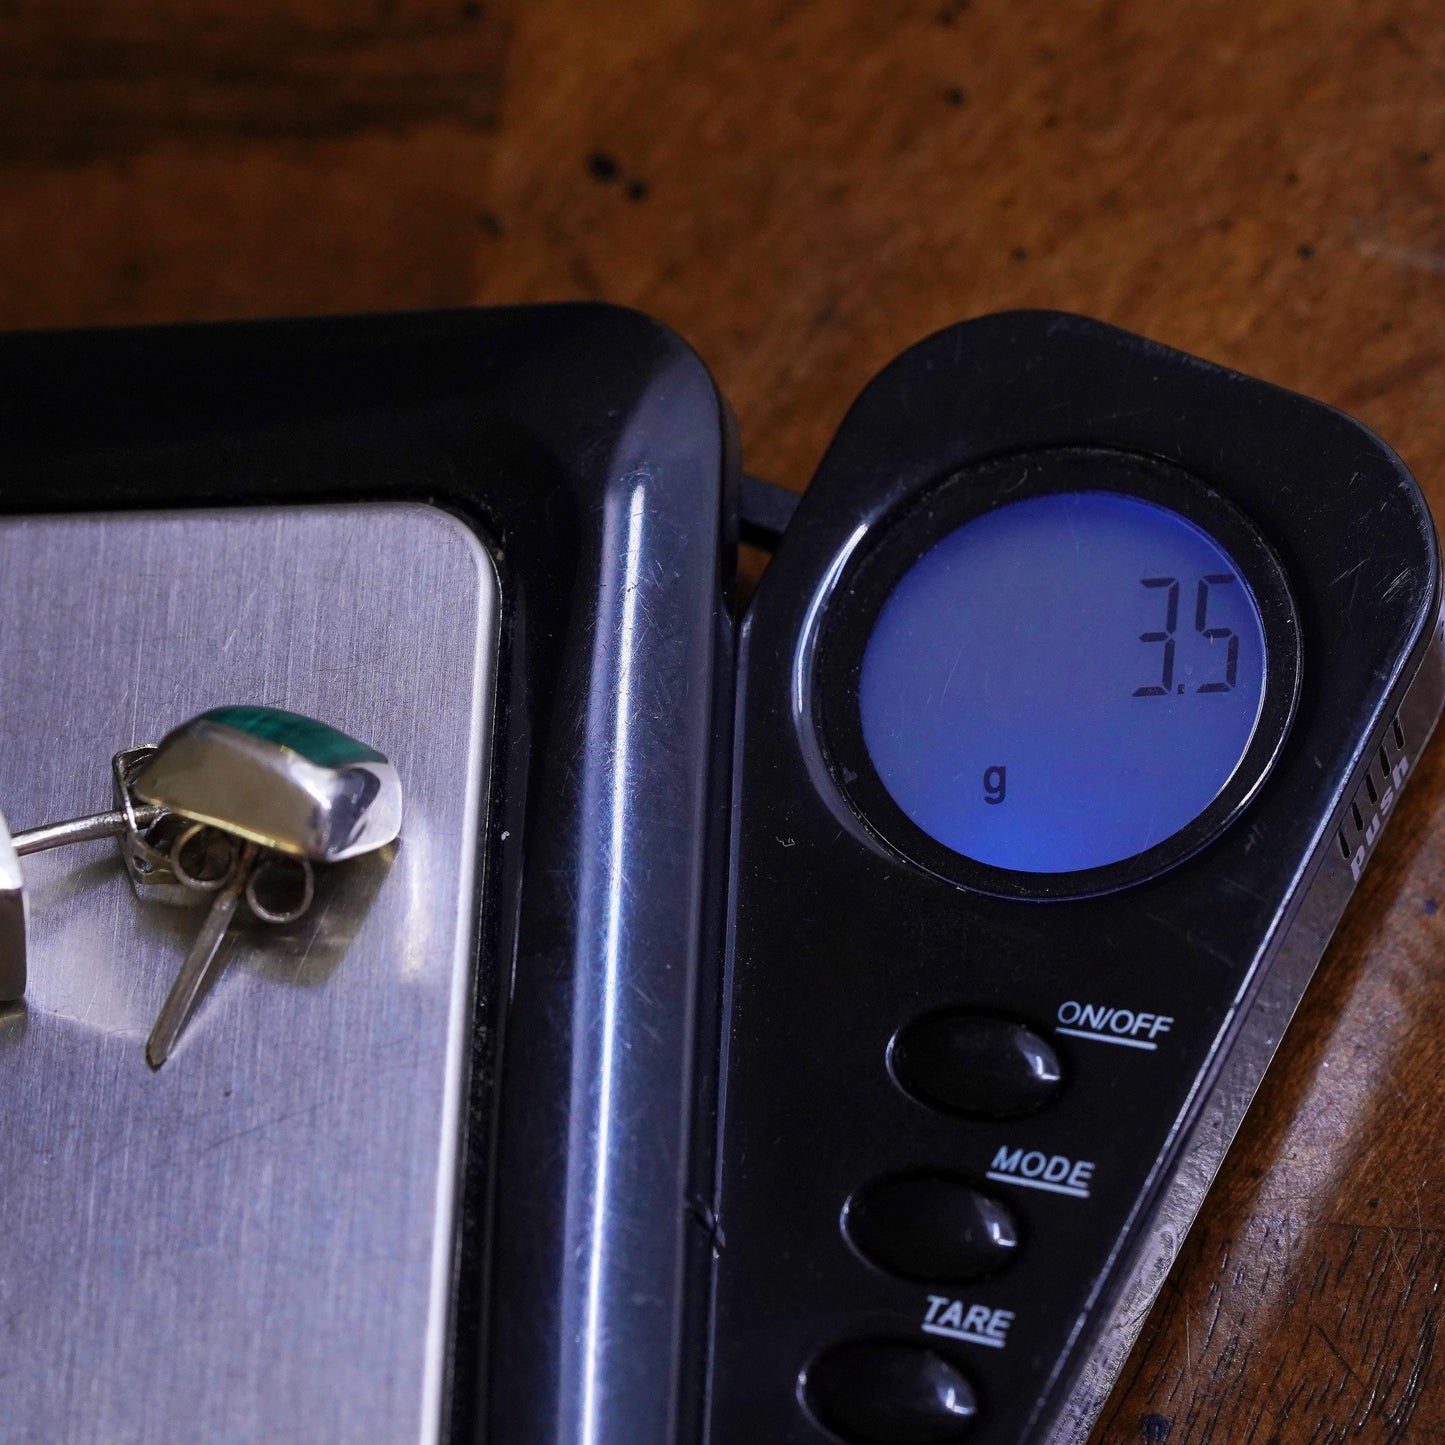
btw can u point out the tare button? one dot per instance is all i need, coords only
(1053, 1173)
(889, 1392)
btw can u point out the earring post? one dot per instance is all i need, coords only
(81, 830)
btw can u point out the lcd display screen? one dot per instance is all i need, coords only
(1063, 682)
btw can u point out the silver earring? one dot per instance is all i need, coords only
(235, 805)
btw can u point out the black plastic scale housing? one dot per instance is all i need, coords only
(758, 1157)
(839, 942)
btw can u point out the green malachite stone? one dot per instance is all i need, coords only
(314, 741)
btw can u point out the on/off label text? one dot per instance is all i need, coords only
(1110, 1024)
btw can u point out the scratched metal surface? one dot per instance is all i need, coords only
(252, 1244)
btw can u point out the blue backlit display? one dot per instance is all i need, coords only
(1063, 682)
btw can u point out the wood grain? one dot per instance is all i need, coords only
(803, 189)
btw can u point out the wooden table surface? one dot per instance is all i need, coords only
(802, 190)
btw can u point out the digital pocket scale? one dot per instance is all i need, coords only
(823, 1033)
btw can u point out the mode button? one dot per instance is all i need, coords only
(931, 1227)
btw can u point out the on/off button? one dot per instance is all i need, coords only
(975, 1064)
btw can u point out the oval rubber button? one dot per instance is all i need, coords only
(931, 1227)
(974, 1064)
(887, 1392)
